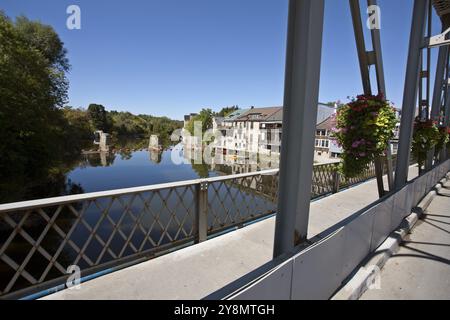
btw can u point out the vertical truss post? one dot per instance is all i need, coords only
(360, 46)
(366, 59)
(410, 92)
(376, 44)
(301, 96)
(443, 154)
(439, 87)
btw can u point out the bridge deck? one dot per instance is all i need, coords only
(196, 271)
(421, 267)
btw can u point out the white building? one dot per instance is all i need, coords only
(255, 130)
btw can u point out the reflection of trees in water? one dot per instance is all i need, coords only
(51, 183)
(202, 170)
(99, 159)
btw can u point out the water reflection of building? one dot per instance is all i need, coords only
(227, 164)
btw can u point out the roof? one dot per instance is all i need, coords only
(259, 114)
(274, 114)
(235, 114)
(276, 117)
(328, 124)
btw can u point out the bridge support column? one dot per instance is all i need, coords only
(439, 85)
(410, 92)
(301, 92)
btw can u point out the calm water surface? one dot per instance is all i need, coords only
(140, 168)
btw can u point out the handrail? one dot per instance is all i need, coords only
(46, 202)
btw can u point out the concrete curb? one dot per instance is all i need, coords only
(365, 275)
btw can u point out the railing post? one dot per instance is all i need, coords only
(201, 212)
(336, 181)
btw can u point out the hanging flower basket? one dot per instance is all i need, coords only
(443, 139)
(426, 136)
(363, 129)
(448, 140)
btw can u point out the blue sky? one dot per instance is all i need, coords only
(171, 57)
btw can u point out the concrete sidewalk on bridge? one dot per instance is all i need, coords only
(421, 267)
(199, 270)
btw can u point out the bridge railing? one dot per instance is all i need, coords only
(41, 239)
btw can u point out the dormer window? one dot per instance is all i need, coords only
(254, 116)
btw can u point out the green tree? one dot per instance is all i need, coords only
(33, 86)
(227, 111)
(98, 117)
(78, 129)
(205, 117)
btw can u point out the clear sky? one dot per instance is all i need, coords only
(172, 57)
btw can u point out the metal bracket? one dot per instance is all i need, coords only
(371, 58)
(204, 186)
(424, 73)
(437, 40)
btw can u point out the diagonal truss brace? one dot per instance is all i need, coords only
(437, 40)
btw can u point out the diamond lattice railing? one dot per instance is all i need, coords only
(323, 179)
(39, 245)
(39, 241)
(236, 201)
